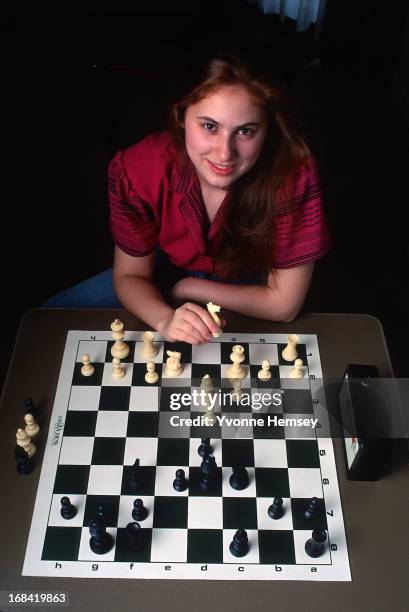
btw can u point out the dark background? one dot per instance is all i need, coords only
(79, 83)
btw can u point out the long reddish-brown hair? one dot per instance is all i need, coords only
(244, 245)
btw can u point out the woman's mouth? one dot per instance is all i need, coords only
(223, 169)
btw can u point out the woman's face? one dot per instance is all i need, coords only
(224, 136)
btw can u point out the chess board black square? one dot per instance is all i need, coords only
(80, 423)
(108, 451)
(297, 401)
(204, 431)
(266, 431)
(71, 479)
(147, 477)
(301, 354)
(61, 544)
(110, 506)
(199, 370)
(272, 383)
(115, 398)
(237, 452)
(129, 359)
(298, 507)
(276, 547)
(272, 482)
(125, 554)
(239, 513)
(138, 375)
(205, 546)
(170, 396)
(173, 451)
(181, 347)
(88, 381)
(170, 512)
(226, 349)
(143, 425)
(195, 490)
(302, 454)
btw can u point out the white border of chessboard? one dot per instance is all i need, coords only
(337, 570)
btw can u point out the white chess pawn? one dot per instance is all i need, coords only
(206, 387)
(87, 369)
(119, 349)
(237, 356)
(149, 350)
(236, 392)
(31, 427)
(151, 375)
(118, 370)
(24, 441)
(290, 351)
(210, 418)
(264, 373)
(173, 366)
(298, 370)
(213, 309)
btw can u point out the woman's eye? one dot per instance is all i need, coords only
(208, 126)
(245, 131)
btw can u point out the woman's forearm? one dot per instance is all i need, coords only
(141, 298)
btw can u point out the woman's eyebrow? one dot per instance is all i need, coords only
(254, 123)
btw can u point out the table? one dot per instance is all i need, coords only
(375, 513)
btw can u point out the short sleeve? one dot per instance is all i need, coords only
(301, 233)
(132, 222)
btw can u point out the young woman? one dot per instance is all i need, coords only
(230, 197)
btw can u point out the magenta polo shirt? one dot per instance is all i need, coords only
(154, 203)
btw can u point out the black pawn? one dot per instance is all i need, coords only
(139, 512)
(239, 479)
(100, 542)
(240, 543)
(24, 464)
(315, 546)
(135, 476)
(205, 449)
(313, 508)
(208, 469)
(68, 510)
(276, 511)
(180, 482)
(135, 536)
(30, 408)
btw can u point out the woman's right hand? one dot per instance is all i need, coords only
(188, 323)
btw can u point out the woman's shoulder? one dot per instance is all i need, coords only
(156, 148)
(301, 187)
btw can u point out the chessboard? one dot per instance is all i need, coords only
(104, 428)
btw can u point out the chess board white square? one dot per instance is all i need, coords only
(207, 353)
(270, 453)
(293, 383)
(305, 482)
(86, 554)
(144, 399)
(126, 507)
(96, 349)
(231, 430)
(76, 450)
(205, 513)
(299, 432)
(109, 381)
(84, 398)
(111, 424)
(144, 449)
(228, 491)
(105, 480)
(195, 460)
(300, 538)
(259, 352)
(56, 520)
(169, 545)
(165, 475)
(264, 521)
(253, 554)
